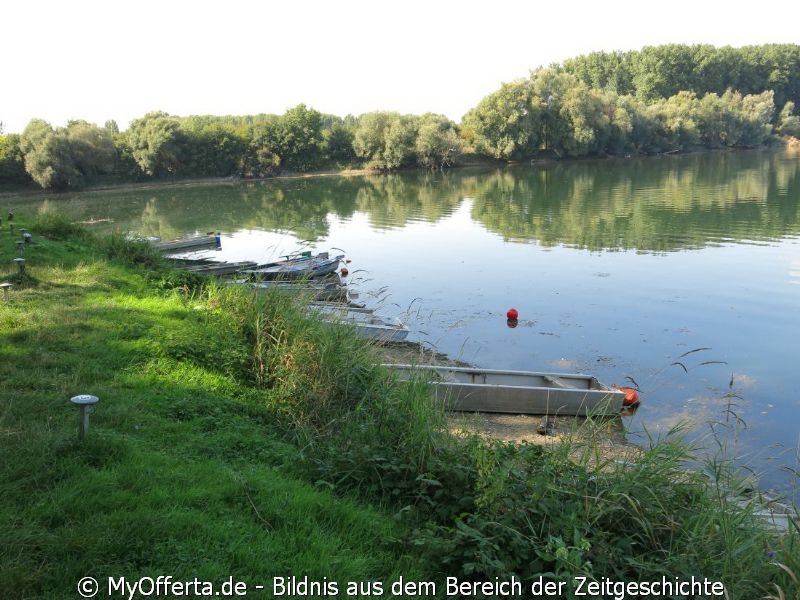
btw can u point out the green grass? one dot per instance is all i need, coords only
(183, 471)
(236, 438)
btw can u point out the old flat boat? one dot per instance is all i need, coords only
(304, 266)
(192, 242)
(317, 290)
(470, 389)
(366, 323)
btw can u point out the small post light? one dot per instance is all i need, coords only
(20, 265)
(22, 232)
(6, 286)
(20, 247)
(84, 402)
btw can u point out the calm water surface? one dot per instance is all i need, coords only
(680, 273)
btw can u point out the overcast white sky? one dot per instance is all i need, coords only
(119, 59)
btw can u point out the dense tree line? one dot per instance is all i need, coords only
(556, 113)
(662, 71)
(661, 99)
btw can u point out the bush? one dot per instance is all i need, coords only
(132, 251)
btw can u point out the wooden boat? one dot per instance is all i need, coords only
(366, 323)
(190, 243)
(304, 266)
(470, 389)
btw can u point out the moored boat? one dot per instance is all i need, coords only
(304, 266)
(366, 323)
(190, 243)
(317, 290)
(469, 389)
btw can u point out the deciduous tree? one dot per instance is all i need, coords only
(91, 148)
(788, 122)
(385, 139)
(47, 156)
(437, 143)
(155, 142)
(505, 123)
(12, 160)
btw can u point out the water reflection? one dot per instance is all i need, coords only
(647, 205)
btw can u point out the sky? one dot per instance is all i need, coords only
(119, 59)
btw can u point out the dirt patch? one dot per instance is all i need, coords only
(589, 442)
(412, 353)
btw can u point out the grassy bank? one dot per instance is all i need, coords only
(234, 438)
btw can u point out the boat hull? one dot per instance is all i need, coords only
(304, 267)
(364, 321)
(319, 292)
(516, 392)
(189, 243)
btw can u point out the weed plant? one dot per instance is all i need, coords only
(235, 436)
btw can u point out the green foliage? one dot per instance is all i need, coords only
(388, 140)
(156, 141)
(385, 140)
(47, 158)
(788, 122)
(66, 157)
(661, 99)
(437, 144)
(133, 252)
(53, 225)
(506, 123)
(261, 158)
(12, 160)
(211, 147)
(298, 140)
(337, 141)
(91, 148)
(658, 72)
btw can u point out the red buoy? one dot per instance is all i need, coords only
(344, 272)
(631, 396)
(512, 313)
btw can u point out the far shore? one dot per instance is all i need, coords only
(791, 144)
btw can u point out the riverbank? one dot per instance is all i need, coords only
(544, 159)
(99, 186)
(235, 438)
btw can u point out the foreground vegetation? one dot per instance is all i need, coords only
(663, 99)
(236, 438)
